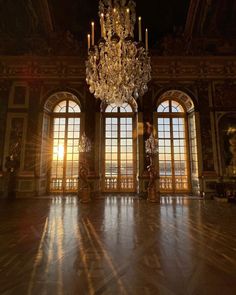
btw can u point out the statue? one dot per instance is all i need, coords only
(151, 148)
(232, 141)
(12, 165)
(12, 162)
(84, 148)
(83, 174)
(152, 172)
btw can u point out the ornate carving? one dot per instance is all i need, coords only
(84, 148)
(57, 44)
(19, 95)
(12, 162)
(174, 44)
(83, 174)
(225, 94)
(56, 97)
(151, 149)
(16, 134)
(193, 68)
(179, 95)
(74, 67)
(227, 133)
(5, 85)
(3, 68)
(232, 142)
(206, 132)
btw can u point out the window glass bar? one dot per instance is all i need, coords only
(171, 132)
(119, 160)
(65, 141)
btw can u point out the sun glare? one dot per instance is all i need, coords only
(60, 152)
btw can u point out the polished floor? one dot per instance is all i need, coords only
(117, 245)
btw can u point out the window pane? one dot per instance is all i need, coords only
(73, 107)
(163, 107)
(126, 108)
(60, 107)
(112, 108)
(172, 153)
(64, 166)
(119, 168)
(176, 107)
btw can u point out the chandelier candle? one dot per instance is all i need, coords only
(102, 25)
(118, 67)
(115, 21)
(146, 39)
(89, 41)
(140, 29)
(92, 24)
(128, 21)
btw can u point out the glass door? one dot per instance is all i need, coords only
(119, 168)
(173, 155)
(65, 141)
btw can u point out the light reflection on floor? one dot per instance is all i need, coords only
(117, 245)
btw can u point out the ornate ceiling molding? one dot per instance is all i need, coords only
(193, 68)
(163, 68)
(31, 68)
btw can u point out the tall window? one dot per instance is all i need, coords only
(172, 141)
(65, 141)
(119, 149)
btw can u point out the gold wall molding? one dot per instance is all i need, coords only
(163, 68)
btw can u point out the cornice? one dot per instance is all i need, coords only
(163, 68)
(34, 67)
(193, 68)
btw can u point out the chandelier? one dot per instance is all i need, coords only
(118, 68)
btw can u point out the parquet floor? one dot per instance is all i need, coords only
(117, 245)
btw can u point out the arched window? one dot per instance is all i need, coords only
(119, 148)
(65, 142)
(173, 146)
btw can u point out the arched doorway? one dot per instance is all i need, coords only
(120, 148)
(63, 112)
(175, 124)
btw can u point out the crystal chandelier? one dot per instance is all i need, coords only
(118, 68)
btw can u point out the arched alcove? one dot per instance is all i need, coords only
(119, 147)
(59, 153)
(132, 104)
(56, 97)
(180, 96)
(175, 123)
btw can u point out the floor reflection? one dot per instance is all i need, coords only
(117, 245)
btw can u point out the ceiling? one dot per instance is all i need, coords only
(161, 17)
(61, 26)
(25, 18)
